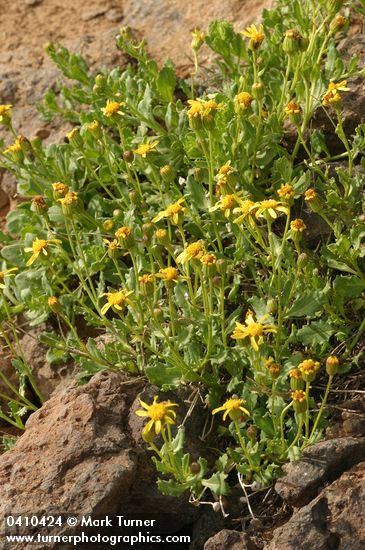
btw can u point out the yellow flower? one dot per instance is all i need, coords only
(202, 107)
(273, 368)
(232, 408)
(5, 273)
(115, 300)
(332, 364)
(255, 35)
(71, 198)
(93, 126)
(173, 211)
(296, 374)
(244, 210)
(269, 207)
(252, 330)
(308, 368)
(244, 100)
(113, 247)
(144, 148)
(39, 246)
(286, 192)
(209, 260)
(198, 38)
(169, 274)
(298, 396)
(226, 169)
(224, 175)
(72, 134)
(193, 251)
(332, 95)
(160, 414)
(54, 304)
(310, 195)
(5, 113)
(145, 279)
(298, 226)
(123, 233)
(112, 108)
(60, 189)
(293, 108)
(225, 204)
(16, 147)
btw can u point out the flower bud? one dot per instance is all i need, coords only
(128, 156)
(258, 91)
(108, 225)
(162, 237)
(302, 260)
(292, 41)
(148, 229)
(39, 205)
(198, 38)
(54, 304)
(221, 266)
(251, 432)
(166, 173)
(158, 314)
(194, 468)
(272, 306)
(332, 364)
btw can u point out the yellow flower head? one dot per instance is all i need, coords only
(39, 246)
(160, 414)
(5, 113)
(244, 100)
(298, 226)
(226, 204)
(145, 279)
(252, 330)
(255, 35)
(169, 274)
(116, 300)
(123, 233)
(296, 374)
(244, 209)
(162, 236)
(112, 108)
(72, 134)
(308, 368)
(4, 274)
(273, 368)
(310, 195)
(54, 304)
(332, 364)
(145, 148)
(71, 198)
(93, 126)
(198, 38)
(293, 108)
(60, 189)
(209, 260)
(174, 211)
(298, 396)
(286, 192)
(16, 147)
(269, 208)
(202, 108)
(232, 408)
(332, 95)
(193, 251)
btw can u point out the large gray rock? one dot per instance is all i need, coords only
(230, 540)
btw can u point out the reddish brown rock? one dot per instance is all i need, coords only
(332, 520)
(319, 464)
(230, 540)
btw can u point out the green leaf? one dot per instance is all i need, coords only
(349, 286)
(162, 375)
(166, 81)
(317, 332)
(217, 484)
(307, 305)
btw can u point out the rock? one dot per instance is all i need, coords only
(114, 14)
(32, 2)
(319, 464)
(174, 20)
(77, 457)
(230, 540)
(331, 521)
(42, 133)
(4, 198)
(92, 14)
(8, 183)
